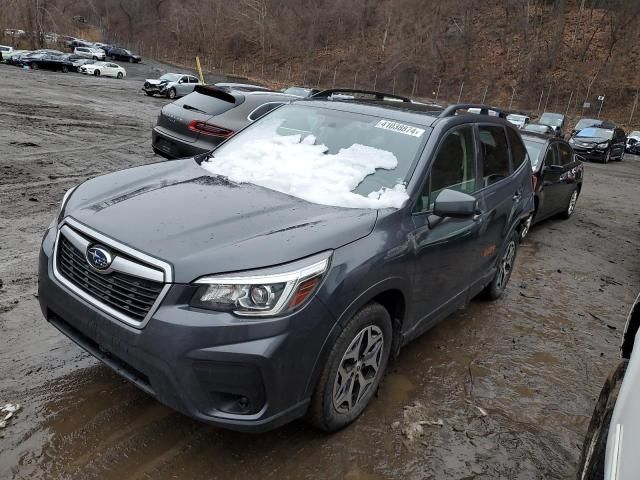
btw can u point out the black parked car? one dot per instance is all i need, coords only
(591, 122)
(199, 121)
(601, 144)
(117, 53)
(48, 61)
(247, 306)
(555, 121)
(557, 176)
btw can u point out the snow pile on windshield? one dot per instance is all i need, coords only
(298, 167)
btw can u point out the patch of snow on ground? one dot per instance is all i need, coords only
(304, 170)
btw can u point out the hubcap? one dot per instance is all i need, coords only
(572, 202)
(526, 226)
(358, 369)
(506, 264)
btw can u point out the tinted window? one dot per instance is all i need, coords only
(193, 80)
(551, 157)
(518, 152)
(263, 110)
(566, 154)
(453, 167)
(495, 154)
(209, 105)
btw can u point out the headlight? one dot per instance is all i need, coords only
(60, 215)
(263, 293)
(603, 145)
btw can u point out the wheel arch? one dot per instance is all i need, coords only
(631, 330)
(389, 293)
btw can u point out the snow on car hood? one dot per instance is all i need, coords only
(299, 167)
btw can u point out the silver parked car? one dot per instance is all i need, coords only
(610, 449)
(171, 85)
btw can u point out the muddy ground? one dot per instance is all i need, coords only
(533, 362)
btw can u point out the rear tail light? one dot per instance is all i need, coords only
(209, 129)
(534, 182)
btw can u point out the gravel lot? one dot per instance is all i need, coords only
(533, 362)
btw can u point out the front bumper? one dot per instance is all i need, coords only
(240, 374)
(590, 153)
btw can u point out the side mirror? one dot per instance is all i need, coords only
(451, 203)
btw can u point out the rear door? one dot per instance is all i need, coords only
(497, 198)
(182, 87)
(444, 247)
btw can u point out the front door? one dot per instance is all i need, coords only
(444, 247)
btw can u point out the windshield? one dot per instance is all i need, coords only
(171, 77)
(324, 156)
(298, 91)
(593, 132)
(587, 122)
(553, 119)
(534, 150)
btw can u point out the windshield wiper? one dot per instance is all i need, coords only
(189, 107)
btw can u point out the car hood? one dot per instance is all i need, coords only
(204, 224)
(153, 81)
(590, 140)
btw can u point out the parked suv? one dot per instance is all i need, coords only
(203, 119)
(231, 298)
(89, 52)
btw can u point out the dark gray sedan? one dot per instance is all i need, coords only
(200, 121)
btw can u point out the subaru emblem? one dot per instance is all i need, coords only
(99, 257)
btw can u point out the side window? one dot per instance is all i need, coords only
(551, 157)
(518, 152)
(495, 154)
(566, 154)
(453, 168)
(193, 80)
(263, 110)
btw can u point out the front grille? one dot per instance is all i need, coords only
(129, 295)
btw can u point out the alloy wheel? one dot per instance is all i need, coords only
(506, 265)
(526, 226)
(572, 202)
(358, 368)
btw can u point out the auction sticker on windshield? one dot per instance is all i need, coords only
(400, 128)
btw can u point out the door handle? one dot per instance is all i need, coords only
(517, 196)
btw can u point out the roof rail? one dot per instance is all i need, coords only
(451, 110)
(377, 95)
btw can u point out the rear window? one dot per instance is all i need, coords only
(495, 154)
(205, 103)
(518, 152)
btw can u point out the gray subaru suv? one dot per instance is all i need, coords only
(273, 278)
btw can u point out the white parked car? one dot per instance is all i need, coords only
(518, 120)
(5, 49)
(90, 52)
(610, 449)
(106, 69)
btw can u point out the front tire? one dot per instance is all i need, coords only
(130, 60)
(96, 73)
(591, 464)
(120, 76)
(171, 93)
(353, 369)
(65, 69)
(496, 288)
